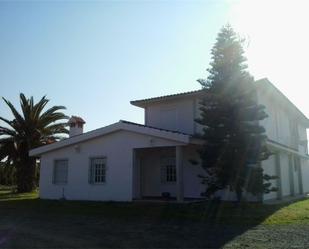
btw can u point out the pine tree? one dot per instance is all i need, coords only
(235, 143)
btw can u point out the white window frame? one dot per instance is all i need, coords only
(168, 170)
(56, 181)
(93, 171)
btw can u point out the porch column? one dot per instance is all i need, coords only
(291, 175)
(136, 183)
(300, 176)
(278, 173)
(179, 173)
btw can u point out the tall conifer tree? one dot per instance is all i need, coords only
(235, 143)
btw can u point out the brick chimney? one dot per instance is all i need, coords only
(76, 126)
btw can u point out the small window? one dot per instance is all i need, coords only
(60, 172)
(168, 170)
(97, 172)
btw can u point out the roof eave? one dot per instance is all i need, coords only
(145, 102)
(167, 135)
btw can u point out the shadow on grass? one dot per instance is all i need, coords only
(42, 223)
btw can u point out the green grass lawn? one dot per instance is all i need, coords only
(27, 222)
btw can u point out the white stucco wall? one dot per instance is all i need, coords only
(302, 133)
(172, 115)
(280, 121)
(181, 114)
(285, 174)
(116, 147)
(284, 132)
(289, 176)
(284, 126)
(192, 183)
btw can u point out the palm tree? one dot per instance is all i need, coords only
(29, 129)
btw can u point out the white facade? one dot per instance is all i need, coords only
(286, 130)
(117, 147)
(122, 145)
(135, 155)
(177, 114)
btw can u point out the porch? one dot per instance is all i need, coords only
(165, 174)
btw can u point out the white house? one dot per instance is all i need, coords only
(126, 161)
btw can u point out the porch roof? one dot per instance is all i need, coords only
(121, 125)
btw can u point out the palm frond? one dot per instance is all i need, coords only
(7, 148)
(53, 110)
(52, 117)
(32, 128)
(38, 107)
(16, 114)
(6, 131)
(10, 123)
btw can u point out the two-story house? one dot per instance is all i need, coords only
(126, 161)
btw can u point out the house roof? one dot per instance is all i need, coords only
(259, 83)
(145, 102)
(152, 127)
(121, 125)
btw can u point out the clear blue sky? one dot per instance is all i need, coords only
(94, 57)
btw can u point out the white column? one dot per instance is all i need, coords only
(291, 175)
(300, 176)
(278, 174)
(179, 173)
(136, 176)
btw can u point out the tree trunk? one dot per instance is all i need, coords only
(25, 172)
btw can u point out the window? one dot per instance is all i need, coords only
(168, 170)
(97, 172)
(60, 172)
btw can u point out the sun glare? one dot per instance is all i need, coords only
(277, 36)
